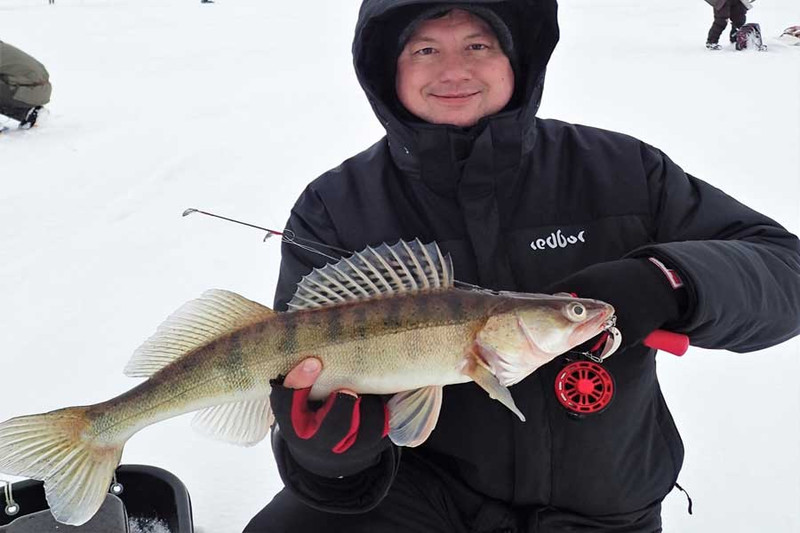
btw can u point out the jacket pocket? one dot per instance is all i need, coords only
(623, 458)
(672, 437)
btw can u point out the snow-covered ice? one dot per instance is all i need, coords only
(148, 526)
(161, 105)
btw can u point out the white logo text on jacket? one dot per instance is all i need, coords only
(557, 239)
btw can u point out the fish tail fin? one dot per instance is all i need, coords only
(59, 449)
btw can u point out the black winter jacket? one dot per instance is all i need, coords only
(520, 202)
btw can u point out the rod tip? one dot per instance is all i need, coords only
(189, 211)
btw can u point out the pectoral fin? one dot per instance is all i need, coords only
(488, 382)
(413, 415)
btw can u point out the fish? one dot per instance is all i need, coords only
(388, 320)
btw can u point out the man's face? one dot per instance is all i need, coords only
(453, 71)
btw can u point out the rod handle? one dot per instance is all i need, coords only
(674, 343)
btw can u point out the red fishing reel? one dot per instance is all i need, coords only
(584, 387)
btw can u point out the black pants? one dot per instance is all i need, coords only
(424, 500)
(733, 10)
(10, 107)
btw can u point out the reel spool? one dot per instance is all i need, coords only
(584, 387)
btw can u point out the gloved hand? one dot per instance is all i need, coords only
(342, 436)
(640, 292)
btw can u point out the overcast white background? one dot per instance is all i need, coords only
(160, 105)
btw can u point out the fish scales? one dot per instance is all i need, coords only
(240, 365)
(412, 340)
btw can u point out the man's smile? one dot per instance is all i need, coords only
(454, 98)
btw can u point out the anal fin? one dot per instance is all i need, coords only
(244, 423)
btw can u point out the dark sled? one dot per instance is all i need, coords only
(148, 493)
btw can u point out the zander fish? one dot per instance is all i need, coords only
(387, 320)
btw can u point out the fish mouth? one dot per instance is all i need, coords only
(603, 321)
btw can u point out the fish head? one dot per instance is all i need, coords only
(535, 329)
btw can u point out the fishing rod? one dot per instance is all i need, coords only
(582, 387)
(287, 235)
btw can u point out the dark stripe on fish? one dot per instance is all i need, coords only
(420, 306)
(360, 325)
(455, 307)
(237, 375)
(288, 335)
(361, 329)
(333, 318)
(393, 314)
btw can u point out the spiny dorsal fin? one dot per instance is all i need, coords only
(195, 324)
(404, 267)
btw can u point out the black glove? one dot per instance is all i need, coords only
(640, 292)
(340, 437)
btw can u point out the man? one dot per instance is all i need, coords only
(24, 86)
(467, 164)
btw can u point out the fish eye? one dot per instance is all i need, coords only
(576, 312)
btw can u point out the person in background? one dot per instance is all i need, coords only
(524, 204)
(24, 86)
(735, 10)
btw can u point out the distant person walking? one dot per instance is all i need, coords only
(735, 10)
(24, 86)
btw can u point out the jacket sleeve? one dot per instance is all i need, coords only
(361, 492)
(741, 269)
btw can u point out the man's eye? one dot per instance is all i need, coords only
(477, 46)
(424, 51)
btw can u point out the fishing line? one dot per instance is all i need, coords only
(287, 236)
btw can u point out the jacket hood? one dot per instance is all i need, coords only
(534, 29)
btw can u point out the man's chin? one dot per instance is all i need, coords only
(462, 120)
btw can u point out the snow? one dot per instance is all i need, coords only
(161, 105)
(148, 526)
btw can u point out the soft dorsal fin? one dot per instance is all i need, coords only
(195, 324)
(404, 267)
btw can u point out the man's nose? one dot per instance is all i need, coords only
(454, 67)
